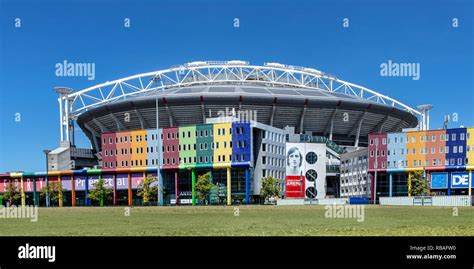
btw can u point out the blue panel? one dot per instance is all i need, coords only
(439, 180)
(241, 143)
(454, 140)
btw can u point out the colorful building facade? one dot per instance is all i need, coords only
(221, 148)
(446, 155)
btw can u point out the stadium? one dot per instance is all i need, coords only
(259, 115)
(281, 95)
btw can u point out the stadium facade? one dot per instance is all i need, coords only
(237, 121)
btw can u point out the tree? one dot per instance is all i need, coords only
(100, 193)
(270, 188)
(12, 194)
(55, 190)
(203, 186)
(419, 186)
(146, 191)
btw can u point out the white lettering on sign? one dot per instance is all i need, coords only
(460, 180)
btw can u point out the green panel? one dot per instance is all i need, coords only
(204, 140)
(94, 171)
(187, 141)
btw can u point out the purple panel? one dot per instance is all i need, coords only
(109, 181)
(66, 183)
(80, 183)
(122, 181)
(152, 174)
(93, 179)
(136, 180)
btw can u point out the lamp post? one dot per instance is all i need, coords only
(46, 152)
(158, 140)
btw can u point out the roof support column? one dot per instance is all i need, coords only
(356, 144)
(303, 115)
(273, 111)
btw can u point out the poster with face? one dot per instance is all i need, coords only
(305, 170)
(294, 161)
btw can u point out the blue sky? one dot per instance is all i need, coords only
(166, 33)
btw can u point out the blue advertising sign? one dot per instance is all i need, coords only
(460, 180)
(439, 180)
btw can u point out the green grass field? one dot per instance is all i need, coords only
(252, 221)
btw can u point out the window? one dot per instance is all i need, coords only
(455, 149)
(453, 137)
(461, 149)
(433, 138)
(371, 153)
(264, 160)
(111, 140)
(461, 136)
(441, 149)
(264, 146)
(413, 139)
(446, 150)
(422, 138)
(384, 141)
(264, 173)
(427, 138)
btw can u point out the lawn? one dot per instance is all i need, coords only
(250, 220)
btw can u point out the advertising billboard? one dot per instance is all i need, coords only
(305, 162)
(439, 180)
(295, 186)
(460, 180)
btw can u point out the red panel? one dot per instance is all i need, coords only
(295, 186)
(170, 138)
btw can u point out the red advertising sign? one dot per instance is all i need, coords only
(295, 186)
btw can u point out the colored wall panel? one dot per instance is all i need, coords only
(109, 153)
(153, 151)
(222, 148)
(170, 148)
(187, 147)
(241, 143)
(415, 146)
(204, 150)
(138, 158)
(381, 147)
(456, 143)
(396, 151)
(470, 146)
(435, 148)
